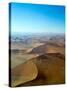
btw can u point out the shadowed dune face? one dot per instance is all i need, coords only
(23, 73)
(38, 50)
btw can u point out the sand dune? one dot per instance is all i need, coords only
(44, 69)
(50, 70)
(38, 63)
(23, 73)
(47, 48)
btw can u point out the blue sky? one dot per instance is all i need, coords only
(37, 18)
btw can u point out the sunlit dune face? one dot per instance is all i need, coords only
(23, 73)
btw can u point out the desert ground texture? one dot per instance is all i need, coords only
(37, 59)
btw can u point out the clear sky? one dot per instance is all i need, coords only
(37, 18)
